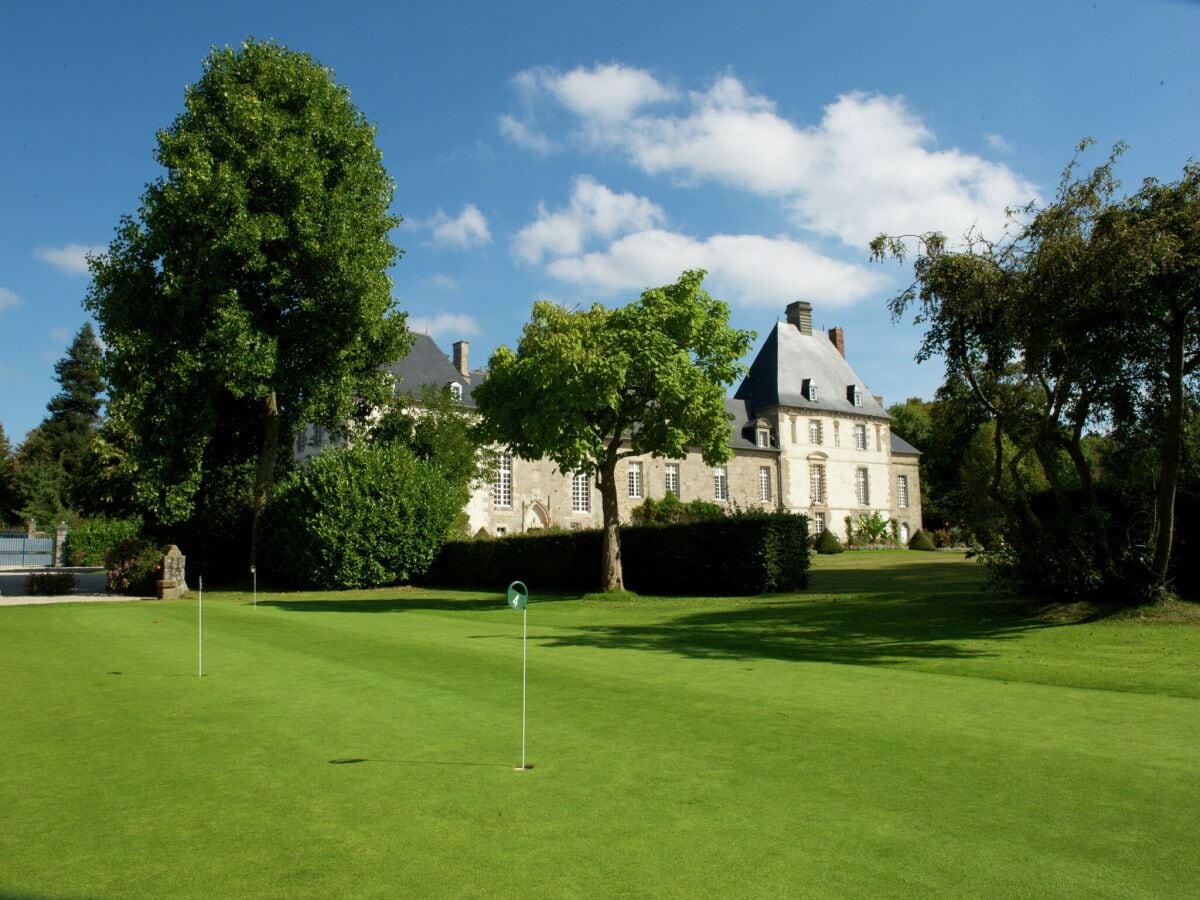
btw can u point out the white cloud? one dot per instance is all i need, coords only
(997, 142)
(525, 135)
(747, 268)
(593, 211)
(445, 282)
(469, 229)
(610, 93)
(869, 165)
(71, 258)
(455, 325)
(8, 299)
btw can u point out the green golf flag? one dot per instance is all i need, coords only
(518, 595)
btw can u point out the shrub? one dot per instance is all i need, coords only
(942, 538)
(358, 517)
(921, 541)
(827, 542)
(133, 567)
(89, 540)
(871, 528)
(49, 584)
(744, 554)
(670, 510)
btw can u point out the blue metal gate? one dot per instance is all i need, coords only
(20, 549)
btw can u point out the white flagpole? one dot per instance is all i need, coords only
(524, 639)
(200, 621)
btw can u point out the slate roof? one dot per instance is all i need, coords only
(741, 434)
(787, 359)
(902, 447)
(426, 364)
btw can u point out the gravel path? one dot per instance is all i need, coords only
(67, 598)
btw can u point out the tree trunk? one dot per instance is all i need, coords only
(611, 576)
(264, 476)
(1172, 453)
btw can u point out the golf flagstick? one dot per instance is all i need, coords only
(200, 629)
(518, 598)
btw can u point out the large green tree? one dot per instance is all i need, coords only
(250, 293)
(1086, 317)
(8, 483)
(590, 387)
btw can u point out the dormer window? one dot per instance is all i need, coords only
(764, 437)
(810, 390)
(854, 395)
(456, 391)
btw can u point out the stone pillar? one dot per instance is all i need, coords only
(173, 583)
(60, 544)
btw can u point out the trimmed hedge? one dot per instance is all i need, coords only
(89, 540)
(49, 584)
(921, 541)
(827, 543)
(745, 554)
(357, 517)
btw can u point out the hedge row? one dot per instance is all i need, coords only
(745, 554)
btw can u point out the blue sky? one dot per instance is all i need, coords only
(582, 153)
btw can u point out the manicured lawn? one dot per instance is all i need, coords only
(895, 731)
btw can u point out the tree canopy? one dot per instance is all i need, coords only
(590, 387)
(250, 293)
(1085, 318)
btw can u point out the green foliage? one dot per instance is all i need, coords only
(133, 567)
(1085, 316)
(750, 553)
(357, 517)
(589, 387)
(49, 584)
(921, 541)
(90, 540)
(436, 428)
(827, 543)
(8, 482)
(670, 510)
(871, 528)
(250, 294)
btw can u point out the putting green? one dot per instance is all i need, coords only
(897, 730)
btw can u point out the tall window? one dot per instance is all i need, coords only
(815, 432)
(902, 491)
(818, 522)
(721, 483)
(793, 422)
(816, 483)
(635, 479)
(502, 483)
(860, 437)
(862, 486)
(764, 483)
(581, 492)
(671, 479)
(837, 434)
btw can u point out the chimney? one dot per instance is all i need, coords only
(838, 336)
(799, 314)
(460, 359)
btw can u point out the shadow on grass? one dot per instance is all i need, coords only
(354, 760)
(874, 617)
(406, 603)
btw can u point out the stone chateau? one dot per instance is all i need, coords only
(807, 436)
